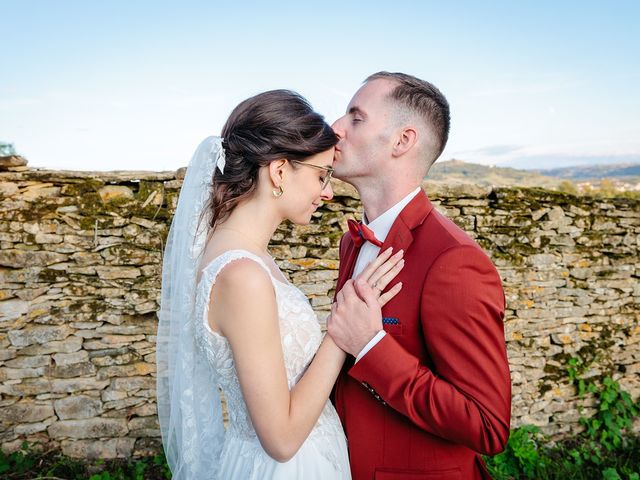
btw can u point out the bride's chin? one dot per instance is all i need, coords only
(302, 220)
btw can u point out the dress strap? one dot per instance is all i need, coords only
(215, 266)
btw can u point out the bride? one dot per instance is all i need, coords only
(230, 322)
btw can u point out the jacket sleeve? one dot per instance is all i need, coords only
(466, 398)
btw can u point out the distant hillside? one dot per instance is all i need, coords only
(623, 176)
(457, 171)
(594, 172)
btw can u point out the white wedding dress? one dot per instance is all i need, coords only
(323, 455)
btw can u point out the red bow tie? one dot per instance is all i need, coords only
(361, 233)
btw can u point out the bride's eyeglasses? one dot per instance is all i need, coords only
(326, 179)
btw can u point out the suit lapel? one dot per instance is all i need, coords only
(401, 236)
(348, 256)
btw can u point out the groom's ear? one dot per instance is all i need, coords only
(406, 140)
(276, 171)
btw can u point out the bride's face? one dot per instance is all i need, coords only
(307, 186)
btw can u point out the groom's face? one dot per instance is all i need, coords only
(365, 136)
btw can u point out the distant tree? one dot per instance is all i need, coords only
(607, 188)
(585, 188)
(633, 194)
(567, 186)
(7, 149)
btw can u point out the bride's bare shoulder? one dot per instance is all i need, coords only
(243, 293)
(245, 275)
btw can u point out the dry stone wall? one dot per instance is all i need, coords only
(80, 264)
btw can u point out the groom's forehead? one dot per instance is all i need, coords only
(371, 93)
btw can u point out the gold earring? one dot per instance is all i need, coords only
(277, 192)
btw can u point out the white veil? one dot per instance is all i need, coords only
(189, 407)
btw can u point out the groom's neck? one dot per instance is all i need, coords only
(377, 199)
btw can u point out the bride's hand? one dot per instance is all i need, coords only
(379, 273)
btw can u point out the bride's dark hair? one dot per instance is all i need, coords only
(269, 126)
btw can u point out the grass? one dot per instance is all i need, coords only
(33, 463)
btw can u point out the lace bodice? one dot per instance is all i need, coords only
(300, 337)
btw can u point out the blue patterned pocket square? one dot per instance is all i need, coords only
(390, 321)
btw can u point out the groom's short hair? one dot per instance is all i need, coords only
(425, 100)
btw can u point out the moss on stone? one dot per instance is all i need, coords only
(48, 276)
(543, 388)
(152, 210)
(81, 187)
(39, 209)
(595, 351)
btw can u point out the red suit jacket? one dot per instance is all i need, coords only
(435, 392)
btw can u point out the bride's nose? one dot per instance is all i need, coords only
(327, 193)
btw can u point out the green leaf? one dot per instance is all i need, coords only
(610, 474)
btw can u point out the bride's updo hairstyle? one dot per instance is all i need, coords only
(272, 125)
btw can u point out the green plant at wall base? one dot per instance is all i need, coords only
(604, 431)
(531, 455)
(612, 474)
(161, 462)
(522, 455)
(19, 461)
(31, 463)
(605, 449)
(135, 471)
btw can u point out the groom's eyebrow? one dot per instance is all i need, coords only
(354, 110)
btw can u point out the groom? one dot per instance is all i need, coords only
(426, 389)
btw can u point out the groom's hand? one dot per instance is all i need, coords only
(355, 316)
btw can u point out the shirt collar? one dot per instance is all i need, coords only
(383, 223)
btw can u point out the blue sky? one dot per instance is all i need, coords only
(137, 84)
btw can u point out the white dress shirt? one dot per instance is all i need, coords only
(369, 252)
